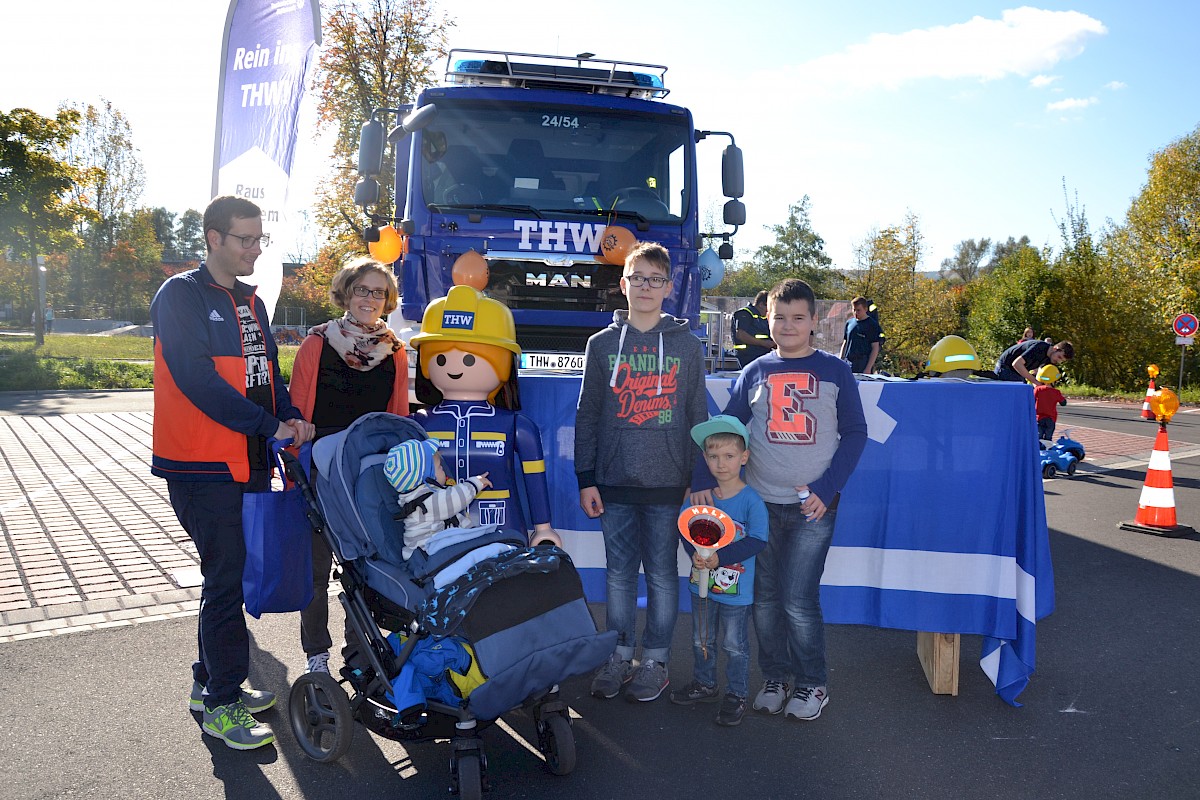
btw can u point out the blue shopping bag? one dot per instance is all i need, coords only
(278, 575)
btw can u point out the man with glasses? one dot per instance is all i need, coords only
(218, 395)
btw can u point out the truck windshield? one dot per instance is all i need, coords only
(555, 159)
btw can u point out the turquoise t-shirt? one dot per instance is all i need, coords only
(733, 584)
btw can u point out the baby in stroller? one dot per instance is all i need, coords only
(518, 611)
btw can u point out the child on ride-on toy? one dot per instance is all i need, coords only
(1046, 400)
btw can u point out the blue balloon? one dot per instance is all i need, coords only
(712, 268)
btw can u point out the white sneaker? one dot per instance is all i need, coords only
(807, 702)
(772, 697)
(318, 663)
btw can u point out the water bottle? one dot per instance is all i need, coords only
(804, 494)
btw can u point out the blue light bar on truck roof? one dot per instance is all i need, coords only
(584, 73)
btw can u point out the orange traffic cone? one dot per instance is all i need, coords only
(1147, 414)
(1156, 506)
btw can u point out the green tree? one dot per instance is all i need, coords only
(110, 183)
(914, 311)
(1156, 253)
(189, 236)
(1019, 291)
(968, 261)
(797, 252)
(163, 222)
(131, 270)
(37, 212)
(376, 54)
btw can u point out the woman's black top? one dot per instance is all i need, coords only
(344, 394)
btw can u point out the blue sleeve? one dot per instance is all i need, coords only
(180, 317)
(852, 428)
(587, 416)
(756, 535)
(529, 450)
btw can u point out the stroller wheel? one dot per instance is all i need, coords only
(321, 718)
(468, 775)
(557, 743)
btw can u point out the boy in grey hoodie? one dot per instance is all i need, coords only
(643, 390)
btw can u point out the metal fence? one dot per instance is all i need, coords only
(716, 315)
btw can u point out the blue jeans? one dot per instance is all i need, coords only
(211, 513)
(644, 535)
(708, 618)
(787, 597)
(1046, 429)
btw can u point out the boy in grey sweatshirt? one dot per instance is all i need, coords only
(643, 390)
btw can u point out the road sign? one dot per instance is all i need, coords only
(1185, 325)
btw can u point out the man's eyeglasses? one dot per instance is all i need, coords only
(378, 294)
(248, 241)
(655, 281)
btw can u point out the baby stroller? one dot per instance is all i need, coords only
(511, 626)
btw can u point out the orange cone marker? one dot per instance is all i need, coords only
(1156, 506)
(1147, 414)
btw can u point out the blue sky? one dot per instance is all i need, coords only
(969, 114)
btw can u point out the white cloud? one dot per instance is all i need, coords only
(1115, 86)
(1072, 104)
(1023, 41)
(1042, 81)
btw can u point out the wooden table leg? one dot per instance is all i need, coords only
(938, 653)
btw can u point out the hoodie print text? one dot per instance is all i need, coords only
(643, 394)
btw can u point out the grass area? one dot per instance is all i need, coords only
(1190, 396)
(71, 361)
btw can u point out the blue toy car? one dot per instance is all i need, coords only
(1062, 456)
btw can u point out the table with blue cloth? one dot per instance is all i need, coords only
(941, 528)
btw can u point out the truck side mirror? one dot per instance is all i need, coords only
(732, 175)
(366, 192)
(735, 213)
(413, 122)
(370, 148)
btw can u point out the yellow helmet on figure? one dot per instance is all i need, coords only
(952, 357)
(466, 315)
(1047, 374)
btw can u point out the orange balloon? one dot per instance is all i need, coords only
(389, 247)
(615, 244)
(470, 269)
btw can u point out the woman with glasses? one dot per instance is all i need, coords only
(345, 368)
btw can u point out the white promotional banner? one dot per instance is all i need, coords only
(269, 48)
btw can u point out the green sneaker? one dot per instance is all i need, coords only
(255, 701)
(233, 725)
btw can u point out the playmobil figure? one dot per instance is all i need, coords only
(467, 379)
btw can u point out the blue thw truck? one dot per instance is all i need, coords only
(526, 159)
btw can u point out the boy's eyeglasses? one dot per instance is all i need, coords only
(248, 241)
(378, 294)
(655, 281)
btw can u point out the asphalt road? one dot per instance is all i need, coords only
(1113, 710)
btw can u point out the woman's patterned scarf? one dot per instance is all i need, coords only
(362, 347)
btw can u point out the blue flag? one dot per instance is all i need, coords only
(269, 49)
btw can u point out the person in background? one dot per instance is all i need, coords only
(863, 338)
(345, 368)
(1019, 362)
(49, 314)
(751, 335)
(218, 396)
(1026, 336)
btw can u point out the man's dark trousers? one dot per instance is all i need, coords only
(211, 513)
